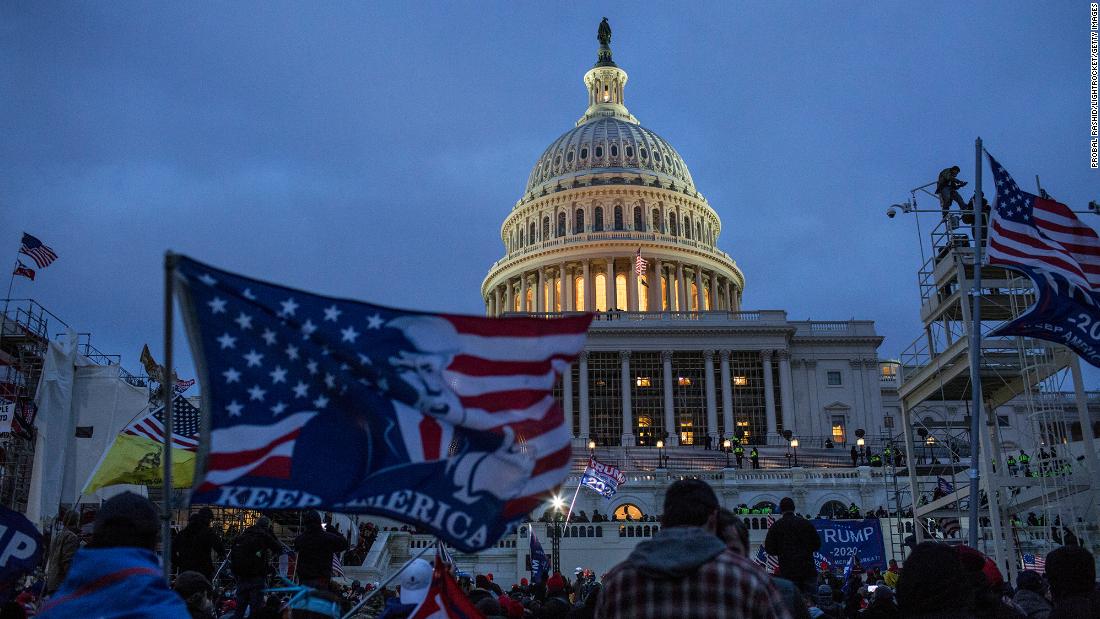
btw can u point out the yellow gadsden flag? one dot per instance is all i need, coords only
(135, 456)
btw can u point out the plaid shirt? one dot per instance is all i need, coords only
(727, 586)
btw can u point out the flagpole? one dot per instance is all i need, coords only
(392, 576)
(575, 492)
(976, 348)
(167, 392)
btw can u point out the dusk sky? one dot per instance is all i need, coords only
(372, 150)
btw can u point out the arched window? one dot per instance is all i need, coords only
(614, 150)
(628, 509)
(569, 157)
(599, 152)
(639, 221)
(656, 219)
(545, 227)
(531, 233)
(693, 298)
(561, 224)
(618, 217)
(584, 153)
(766, 507)
(833, 509)
(521, 241)
(601, 292)
(597, 219)
(687, 226)
(699, 231)
(578, 221)
(645, 154)
(629, 151)
(620, 290)
(672, 224)
(578, 293)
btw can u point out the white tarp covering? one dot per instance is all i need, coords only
(74, 392)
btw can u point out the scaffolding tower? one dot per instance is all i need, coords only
(935, 375)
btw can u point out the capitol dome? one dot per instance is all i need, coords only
(611, 221)
(609, 144)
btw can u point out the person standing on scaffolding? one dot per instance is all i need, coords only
(947, 188)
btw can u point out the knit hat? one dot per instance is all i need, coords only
(126, 519)
(189, 583)
(1032, 581)
(555, 583)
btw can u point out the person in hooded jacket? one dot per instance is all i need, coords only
(63, 547)
(315, 550)
(686, 571)
(195, 543)
(117, 575)
(794, 540)
(1030, 595)
(735, 534)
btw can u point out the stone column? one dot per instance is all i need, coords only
(523, 293)
(510, 306)
(628, 413)
(727, 391)
(699, 294)
(500, 300)
(540, 292)
(589, 290)
(673, 438)
(631, 289)
(786, 390)
(681, 297)
(712, 406)
(566, 289)
(609, 280)
(769, 392)
(713, 291)
(585, 431)
(567, 398)
(655, 300)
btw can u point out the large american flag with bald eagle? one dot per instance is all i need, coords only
(335, 404)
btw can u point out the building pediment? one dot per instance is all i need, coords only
(837, 407)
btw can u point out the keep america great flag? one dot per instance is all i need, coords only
(442, 421)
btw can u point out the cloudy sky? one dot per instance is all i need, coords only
(371, 150)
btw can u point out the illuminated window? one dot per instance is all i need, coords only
(557, 295)
(833, 379)
(687, 435)
(644, 421)
(578, 293)
(683, 381)
(626, 509)
(889, 370)
(620, 291)
(642, 381)
(601, 292)
(643, 294)
(838, 428)
(741, 381)
(706, 299)
(693, 297)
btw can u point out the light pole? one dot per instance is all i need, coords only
(660, 454)
(794, 448)
(555, 539)
(931, 443)
(592, 448)
(726, 445)
(860, 443)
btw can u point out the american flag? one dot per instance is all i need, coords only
(337, 565)
(277, 358)
(640, 263)
(769, 562)
(185, 425)
(1035, 563)
(184, 385)
(40, 253)
(1035, 231)
(950, 526)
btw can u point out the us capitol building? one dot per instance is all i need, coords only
(672, 356)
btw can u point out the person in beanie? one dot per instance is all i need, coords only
(249, 560)
(63, 548)
(1030, 596)
(557, 600)
(794, 540)
(315, 548)
(195, 590)
(117, 575)
(195, 543)
(686, 571)
(1071, 573)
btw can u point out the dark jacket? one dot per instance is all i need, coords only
(1034, 605)
(315, 549)
(251, 550)
(193, 546)
(793, 540)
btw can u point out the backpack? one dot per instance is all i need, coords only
(249, 558)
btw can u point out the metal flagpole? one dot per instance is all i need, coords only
(167, 392)
(390, 579)
(976, 347)
(571, 503)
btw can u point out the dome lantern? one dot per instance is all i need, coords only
(606, 84)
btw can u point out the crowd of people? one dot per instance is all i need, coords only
(696, 565)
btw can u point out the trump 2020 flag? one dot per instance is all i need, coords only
(1044, 239)
(539, 564)
(602, 478)
(444, 422)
